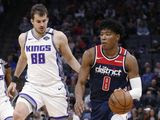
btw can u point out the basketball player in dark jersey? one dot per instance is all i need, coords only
(110, 67)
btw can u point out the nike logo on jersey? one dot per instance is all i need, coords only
(30, 38)
(118, 61)
(60, 88)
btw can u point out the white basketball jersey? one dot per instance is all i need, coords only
(2, 78)
(44, 62)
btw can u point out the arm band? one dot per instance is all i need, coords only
(136, 86)
(15, 79)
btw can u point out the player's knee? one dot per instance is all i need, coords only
(18, 115)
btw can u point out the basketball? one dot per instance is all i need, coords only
(120, 102)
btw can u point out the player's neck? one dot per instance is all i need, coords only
(111, 53)
(37, 34)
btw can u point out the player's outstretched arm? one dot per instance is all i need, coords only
(134, 78)
(82, 78)
(66, 51)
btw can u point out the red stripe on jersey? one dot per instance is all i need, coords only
(122, 52)
(116, 61)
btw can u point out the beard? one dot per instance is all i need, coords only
(40, 31)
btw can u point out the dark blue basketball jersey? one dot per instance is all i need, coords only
(107, 74)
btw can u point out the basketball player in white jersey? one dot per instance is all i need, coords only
(6, 110)
(41, 48)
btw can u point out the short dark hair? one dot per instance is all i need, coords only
(112, 25)
(39, 9)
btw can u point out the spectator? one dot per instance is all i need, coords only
(149, 100)
(142, 28)
(24, 25)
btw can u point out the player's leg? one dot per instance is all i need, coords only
(100, 110)
(28, 100)
(119, 117)
(6, 110)
(57, 108)
(22, 109)
(56, 104)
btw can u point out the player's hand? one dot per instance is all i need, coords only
(119, 89)
(11, 90)
(79, 107)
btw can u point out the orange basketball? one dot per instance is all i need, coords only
(120, 102)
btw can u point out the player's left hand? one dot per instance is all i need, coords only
(11, 90)
(79, 107)
(119, 89)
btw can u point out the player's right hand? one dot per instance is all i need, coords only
(11, 89)
(79, 107)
